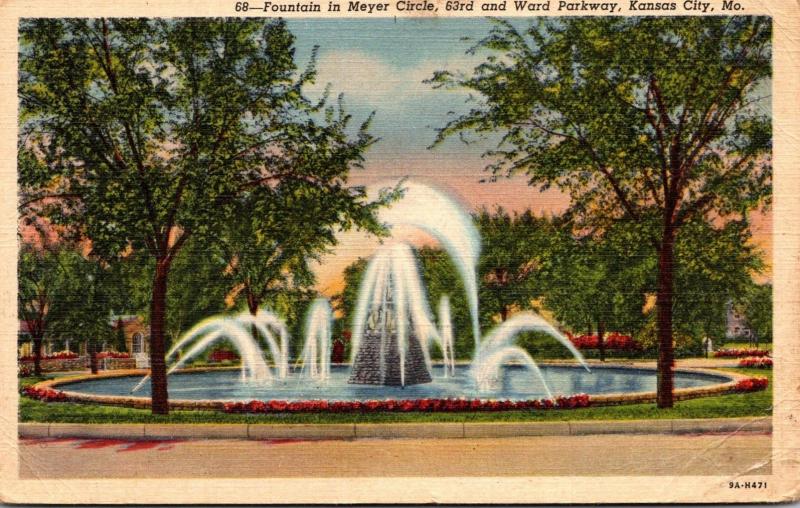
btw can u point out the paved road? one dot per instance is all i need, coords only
(524, 456)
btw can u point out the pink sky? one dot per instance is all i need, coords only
(459, 176)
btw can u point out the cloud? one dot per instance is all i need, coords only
(371, 81)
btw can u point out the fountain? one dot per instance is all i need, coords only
(254, 366)
(316, 358)
(497, 349)
(450, 225)
(446, 333)
(393, 326)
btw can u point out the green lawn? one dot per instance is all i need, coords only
(726, 406)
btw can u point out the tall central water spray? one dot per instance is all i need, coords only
(392, 325)
(437, 214)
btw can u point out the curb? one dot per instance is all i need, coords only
(445, 430)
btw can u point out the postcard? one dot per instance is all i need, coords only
(414, 251)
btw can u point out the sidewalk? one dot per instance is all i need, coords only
(393, 430)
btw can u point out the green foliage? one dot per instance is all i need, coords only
(441, 278)
(596, 280)
(626, 113)
(713, 266)
(277, 232)
(756, 304)
(149, 132)
(513, 245)
(64, 295)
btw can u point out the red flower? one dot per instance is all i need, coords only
(739, 353)
(762, 362)
(752, 384)
(406, 405)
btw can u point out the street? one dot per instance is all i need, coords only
(707, 454)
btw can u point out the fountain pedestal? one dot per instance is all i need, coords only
(378, 361)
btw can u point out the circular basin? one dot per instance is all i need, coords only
(515, 383)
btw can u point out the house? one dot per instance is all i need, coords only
(25, 341)
(135, 331)
(736, 327)
(137, 337)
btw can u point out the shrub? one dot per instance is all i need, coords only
(613, 340)
(44, 394)
(64, 355)
(762, 362)
(753, 384)
(739, 353)
(112, 354)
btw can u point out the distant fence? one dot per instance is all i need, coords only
(80, 363)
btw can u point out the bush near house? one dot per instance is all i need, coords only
(112, 354)
(613, 340)
(740, 353)
(223, 355)
(64, 355)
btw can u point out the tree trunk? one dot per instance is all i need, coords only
(37, 356)
(252, 306)
(252, 301)
(503, 313)
(601, 347)
(664, 313)
(92, 357)
(158, 366)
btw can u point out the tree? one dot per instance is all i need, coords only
(37, 273)
(596, 281)
(756, 304)
(652, 120)
(508, 263)
(344, 303)
(151, 128)
(83, 305)
(277, 231)
(713, 266)
(62, 294)
(198, 288)
(441, 278)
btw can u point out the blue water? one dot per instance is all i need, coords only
(518, 383)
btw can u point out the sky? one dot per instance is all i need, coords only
(379, 66)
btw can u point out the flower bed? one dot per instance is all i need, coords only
(223, 355)
(64, 355)
(44, 394)
(762, 362)
(403, 406)
(739, 353)
(613, 340)
(112, 354)
(753, 384)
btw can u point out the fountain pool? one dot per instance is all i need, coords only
(517, 384)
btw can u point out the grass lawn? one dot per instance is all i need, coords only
(725, 406)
